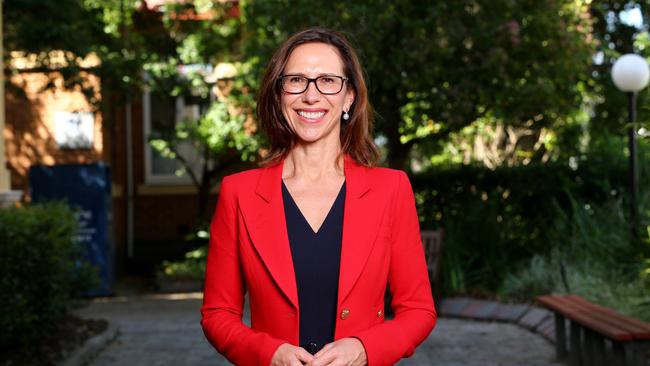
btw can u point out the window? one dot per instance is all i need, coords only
(160, 115)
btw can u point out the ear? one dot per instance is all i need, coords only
(349, 99)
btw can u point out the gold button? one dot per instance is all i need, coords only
(379, 314)
(345, 313)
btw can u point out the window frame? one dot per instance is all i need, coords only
(151, 178)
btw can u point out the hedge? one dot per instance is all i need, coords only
(40, 270)
(496, 220)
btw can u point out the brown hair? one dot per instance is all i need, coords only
(356, 139)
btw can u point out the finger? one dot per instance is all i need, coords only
(324, 349)
(324, 359)
(303, 355)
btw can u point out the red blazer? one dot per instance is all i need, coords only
(249, 251)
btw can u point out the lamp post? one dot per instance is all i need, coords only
(630, 74)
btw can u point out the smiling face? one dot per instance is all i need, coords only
(312, 115)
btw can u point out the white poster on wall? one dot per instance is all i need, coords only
(74, 130)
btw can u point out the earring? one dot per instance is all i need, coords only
(346, 116)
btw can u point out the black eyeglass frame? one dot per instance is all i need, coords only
(310, 80)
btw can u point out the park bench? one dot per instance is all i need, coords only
(432, 242)
(596, 335)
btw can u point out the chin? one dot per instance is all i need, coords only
(313, 134)
(309, 138)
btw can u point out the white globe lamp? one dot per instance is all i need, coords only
(630, 74)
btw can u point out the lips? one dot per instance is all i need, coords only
(311, 115)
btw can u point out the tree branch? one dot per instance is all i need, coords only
(188, 168)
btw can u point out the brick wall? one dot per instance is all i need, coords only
(29, 130)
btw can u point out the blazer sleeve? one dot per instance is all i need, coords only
(223, 296)
(412, 303)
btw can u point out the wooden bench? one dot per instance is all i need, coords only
(597, 335)
(432, 242)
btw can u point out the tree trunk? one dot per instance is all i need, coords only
(204, 198)
(398, 153)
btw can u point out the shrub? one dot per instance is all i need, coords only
(40, 270)
(496, 221)
(190, 268)
(593, 256)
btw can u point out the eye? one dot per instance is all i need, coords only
(327, 80)
(295, 79)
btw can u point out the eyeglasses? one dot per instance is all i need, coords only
(325, 84)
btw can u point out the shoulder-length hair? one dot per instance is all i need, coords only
(356, 138)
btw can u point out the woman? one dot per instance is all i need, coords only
(318, 233)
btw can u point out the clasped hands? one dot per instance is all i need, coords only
(344, 352)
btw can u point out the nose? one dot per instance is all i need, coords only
(311, 95)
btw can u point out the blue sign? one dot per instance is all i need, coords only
(87, 188)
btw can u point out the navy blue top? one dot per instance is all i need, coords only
(316, 257)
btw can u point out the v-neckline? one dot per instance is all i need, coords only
(304, 219)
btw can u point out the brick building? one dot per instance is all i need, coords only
(153, 208)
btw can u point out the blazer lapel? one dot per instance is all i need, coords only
(265, 221)
(361, 219)
(266, 225)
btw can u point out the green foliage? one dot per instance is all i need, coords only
(592, 255)
(542, 276)
(40, 270)
(496, 220)
(221, 130)
(38, 27)
(519, 232)
(192, 267)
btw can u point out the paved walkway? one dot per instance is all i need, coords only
(165, 330)
(154, 330)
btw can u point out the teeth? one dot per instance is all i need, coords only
(311, 115)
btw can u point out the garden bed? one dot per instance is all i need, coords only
(54, 346)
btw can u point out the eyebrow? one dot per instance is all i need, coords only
(305, 75)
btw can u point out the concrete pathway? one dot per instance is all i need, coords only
(153, 330)
(165, 330)
(458, 342)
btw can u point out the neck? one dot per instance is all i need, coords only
(313, 161)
